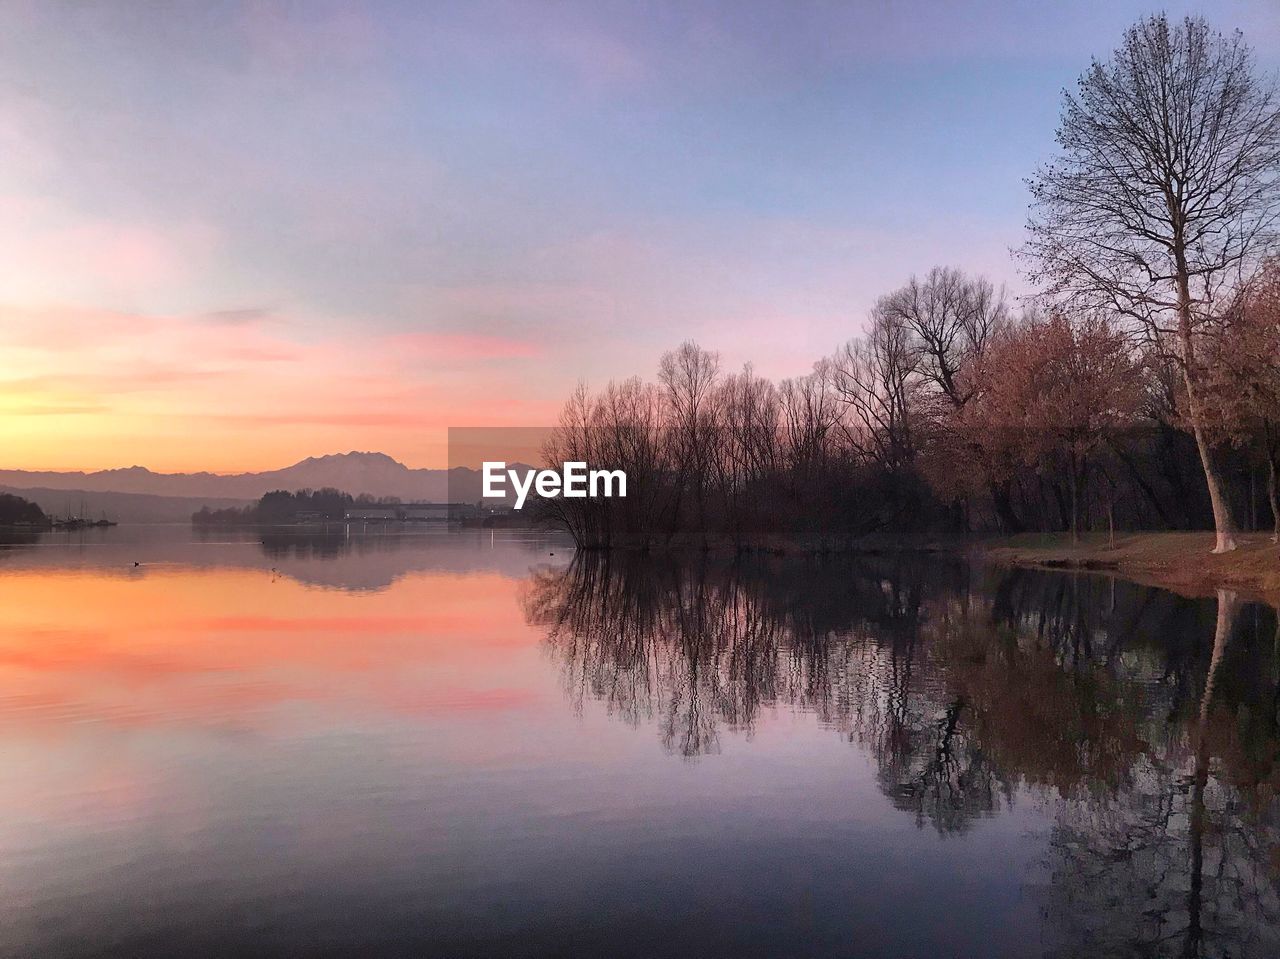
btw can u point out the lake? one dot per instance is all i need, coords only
(471, 743)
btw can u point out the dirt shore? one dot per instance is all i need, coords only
(1181, 562)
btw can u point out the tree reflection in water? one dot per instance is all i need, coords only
(1146, 724)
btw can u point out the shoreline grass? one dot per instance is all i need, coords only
(1181, 562)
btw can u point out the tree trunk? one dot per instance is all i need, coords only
(1075, 501)
(1253, 498)
(1223, 525)
(1003, 503)
(1198, 812)
(1273, 496)
(1147, 489)
(1062, 502)
(1272, 440)
(1111, 511)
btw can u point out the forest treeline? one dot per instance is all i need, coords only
(950, 415)
(280, 507)
(1139, 388)
(16, 511)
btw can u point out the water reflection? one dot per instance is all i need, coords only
(243, 747)
(1144, 723)
(10, 537)
(350, 558)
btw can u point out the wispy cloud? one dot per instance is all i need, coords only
(241, 316)
(52, 409)
(452, 347)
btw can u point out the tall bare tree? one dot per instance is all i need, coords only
(876, 377)
(1164, 196)
(931, 332)
(949, 318)
(689, 377)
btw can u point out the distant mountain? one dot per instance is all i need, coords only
(374, 473)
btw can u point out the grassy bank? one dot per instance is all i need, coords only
(1181, 562)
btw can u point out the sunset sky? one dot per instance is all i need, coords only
(235, 235)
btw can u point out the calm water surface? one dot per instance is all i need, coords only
(472, 744)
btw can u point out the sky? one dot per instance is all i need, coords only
(233, 235)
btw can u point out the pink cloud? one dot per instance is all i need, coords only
(131, 379)
(263, 354)
(546, 307)
(236, 317)
(291, 43)
(462, 346)
(61, 326)
(47, 251)
(346, 419)
(597, 57)
(50, 409)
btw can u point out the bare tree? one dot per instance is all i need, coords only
(688, 376)
(1164, 196)
(748, 409)
(876, 378)
(950, 318)
(810, 412)
(908, 380)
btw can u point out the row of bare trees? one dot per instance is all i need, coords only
(949, 414)
(709, 456)
(1151, 355)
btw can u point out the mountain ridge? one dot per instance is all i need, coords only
(355, 472)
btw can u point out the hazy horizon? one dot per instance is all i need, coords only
(332, 454)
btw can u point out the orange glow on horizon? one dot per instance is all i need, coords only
(87, 389)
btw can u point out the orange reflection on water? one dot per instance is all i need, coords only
(229, 645)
